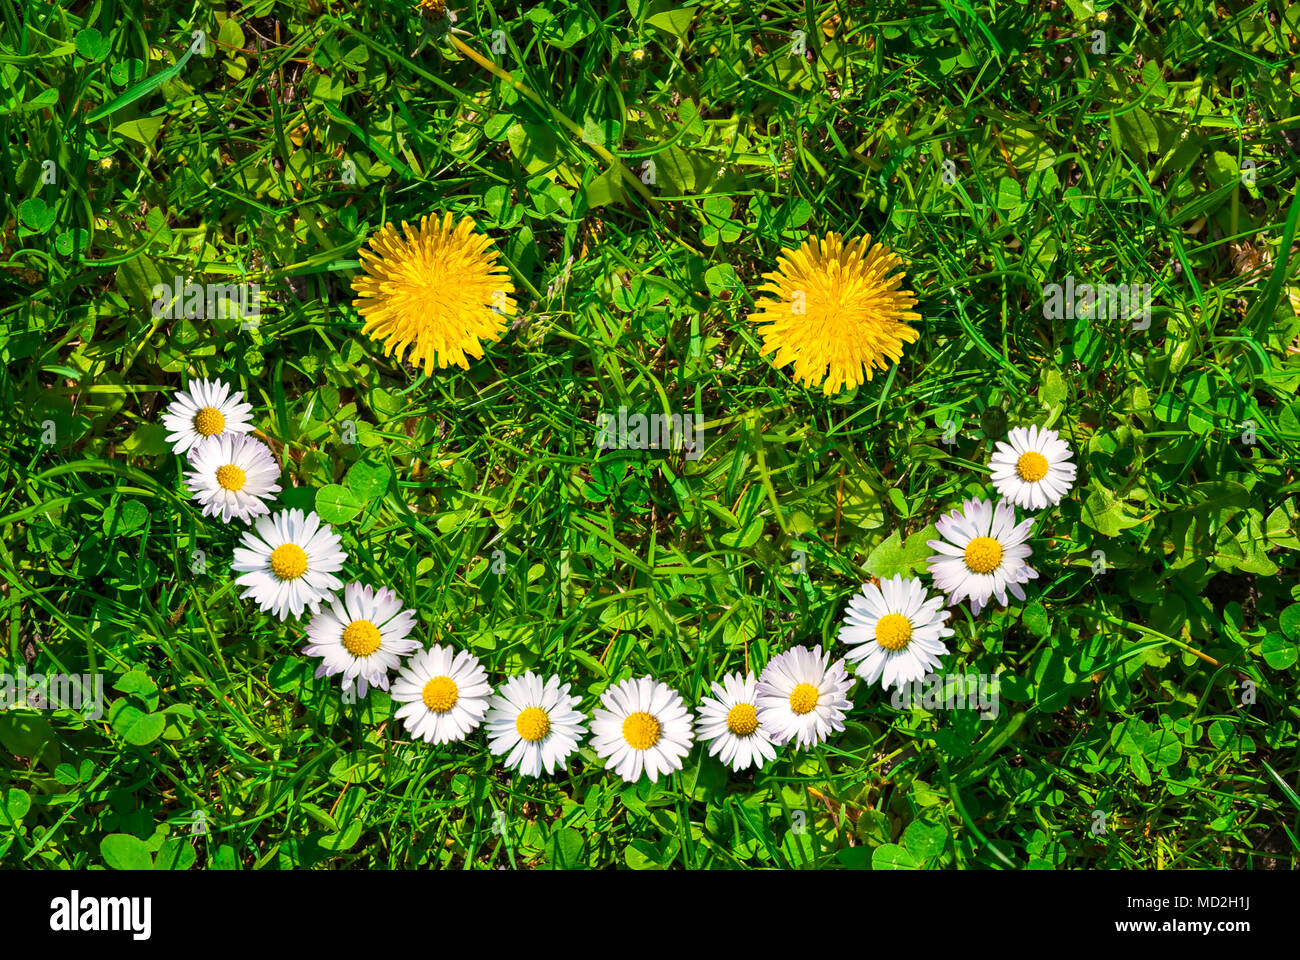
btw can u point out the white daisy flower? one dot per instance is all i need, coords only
(802, 697)
(1032, 468)
(233, 476)
(288, 561)
(895, 630)
(444, 694)
(982, 553)
(729, 723)
(206, 409)
(362, 635)
(644, 726)
(537, 721)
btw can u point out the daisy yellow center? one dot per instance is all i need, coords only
(893, 631)
(983, 555)
(361, 638)
(288, 561)
(1031, 467)
(209, 421)
(803, 698)
(742, 719)
(437, 290)
(532, 724)
(641, 731)
(836, 313)
(440, 694)
(231, 477)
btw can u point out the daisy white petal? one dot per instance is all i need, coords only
(990, 555)
(535, 722)
(644, 726)
(362, 635)
(232, 475)
(1033, 468)
(728, 722)
(283, 571)
(895, 630)
(205, 409)
(444, 695)
(802, 697)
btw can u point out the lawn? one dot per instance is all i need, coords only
(638, 169)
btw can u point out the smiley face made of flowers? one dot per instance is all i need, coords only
(437, 290)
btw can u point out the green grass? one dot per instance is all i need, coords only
(1154, 683)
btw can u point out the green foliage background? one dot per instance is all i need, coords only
(1154, 682)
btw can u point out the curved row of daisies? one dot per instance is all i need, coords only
(288, 564)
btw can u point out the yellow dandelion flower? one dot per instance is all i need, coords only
(439, 291)
(837, 314)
